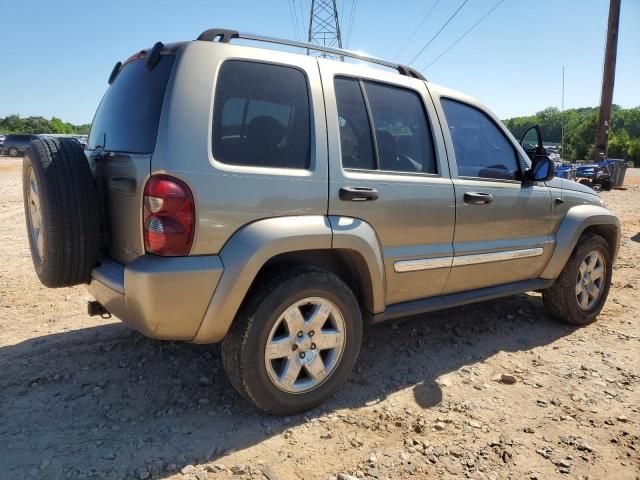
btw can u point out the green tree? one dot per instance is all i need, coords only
(58, 126)
(619, 144)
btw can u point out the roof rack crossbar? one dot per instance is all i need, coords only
(225, 36)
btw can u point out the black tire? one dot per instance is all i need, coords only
(560, 299)
(606, 185)
(244, 346)
(68, 207)
(586, 182)
(13, 152)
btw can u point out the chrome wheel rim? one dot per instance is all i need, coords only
(35, 215)
(305, 345)
(590, 280)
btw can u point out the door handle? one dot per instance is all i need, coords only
(358, 194)
(477, 198)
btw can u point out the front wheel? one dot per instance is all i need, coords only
(13, 152)
(295, 341)
(579, 293)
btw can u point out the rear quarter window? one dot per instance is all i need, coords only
(129, 113)
(261, 116)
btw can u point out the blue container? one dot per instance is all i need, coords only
(565, 171)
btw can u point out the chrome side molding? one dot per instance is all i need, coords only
(445, 262)
(496, 256)
(422, 264)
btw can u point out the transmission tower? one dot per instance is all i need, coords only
(324, 26)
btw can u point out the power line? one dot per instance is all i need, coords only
(342, 9)
(424, 19)
(294, 20)
(459, 39)
(301, 21)
(354, 5)
(438, 32)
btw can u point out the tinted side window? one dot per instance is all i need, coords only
(481, 149)
(261, 116)
(129, 113)
(402, 133)
(356, 145)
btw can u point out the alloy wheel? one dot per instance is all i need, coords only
(305, 345)
(35, 216)
(590, 280)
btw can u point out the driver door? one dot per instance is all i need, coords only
(502, 224)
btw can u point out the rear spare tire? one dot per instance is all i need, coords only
(61, 211)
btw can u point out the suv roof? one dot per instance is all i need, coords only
(223, 35)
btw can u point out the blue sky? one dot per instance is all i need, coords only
(56, 56)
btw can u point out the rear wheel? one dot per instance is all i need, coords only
(579, 293)
(295, 341)
(13, 152)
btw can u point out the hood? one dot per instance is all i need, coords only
(576, 187)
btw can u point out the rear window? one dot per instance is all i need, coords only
(128, 116)
(261, 116)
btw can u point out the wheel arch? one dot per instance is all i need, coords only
(256, 248)
(579, 220)
(349, 265)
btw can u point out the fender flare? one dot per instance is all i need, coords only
(575, 222)
(252, 246)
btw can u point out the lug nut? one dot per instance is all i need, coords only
(300, 334)
(301, 354)
(294, 347)
(311, 333)
(313, 346)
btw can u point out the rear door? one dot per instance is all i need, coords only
(388, 168)
(122, 138)
(502, 224)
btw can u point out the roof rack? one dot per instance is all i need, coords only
(225, 36)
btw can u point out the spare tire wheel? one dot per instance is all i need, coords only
(61, 210)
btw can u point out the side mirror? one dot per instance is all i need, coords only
(531, 142)
(542, 169)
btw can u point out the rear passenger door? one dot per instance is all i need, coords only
(387, 168)
(502, 224)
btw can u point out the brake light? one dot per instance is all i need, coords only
(133, 57)
(168, 216)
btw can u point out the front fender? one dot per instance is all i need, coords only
(575, 222)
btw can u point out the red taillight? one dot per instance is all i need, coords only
(133, 57)
(168, 216)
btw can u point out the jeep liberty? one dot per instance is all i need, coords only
(274, 202)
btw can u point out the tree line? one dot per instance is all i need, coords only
(580, 131)
(579, 128)
(36, 125)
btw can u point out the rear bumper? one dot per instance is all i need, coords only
(161, 297)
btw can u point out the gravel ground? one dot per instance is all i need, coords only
(495, 390)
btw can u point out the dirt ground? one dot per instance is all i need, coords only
(85, 397)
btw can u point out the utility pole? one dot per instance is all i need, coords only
(324, 26)
(608, 78)
(562, 119)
